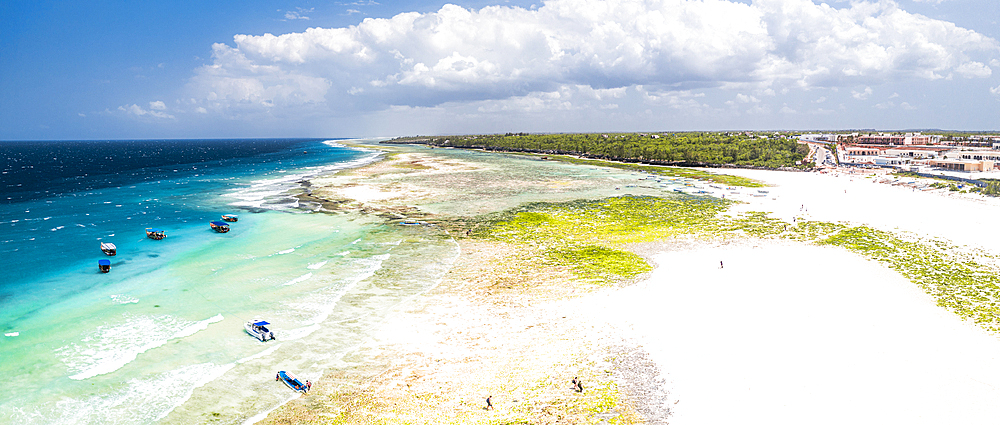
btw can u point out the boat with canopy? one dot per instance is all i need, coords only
(258, 329)
(220, 226)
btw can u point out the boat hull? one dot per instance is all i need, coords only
(104, 265)
(292, 382)
(259, 332)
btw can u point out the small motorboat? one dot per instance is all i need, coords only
(230, 217)
(156, 234)
(220, 226)
(109, 248)
(292, 381)
(258, 329)
(104, 265)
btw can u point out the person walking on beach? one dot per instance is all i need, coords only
(309, 386)
(720, 264)
(489, 403)
(577, 385)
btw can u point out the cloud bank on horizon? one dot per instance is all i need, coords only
(589, 63)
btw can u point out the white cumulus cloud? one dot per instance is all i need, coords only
(497, 53)
(155, 111)
(862, 95)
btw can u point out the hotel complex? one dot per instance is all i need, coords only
(915, 151)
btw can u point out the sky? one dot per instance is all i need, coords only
(366, 68)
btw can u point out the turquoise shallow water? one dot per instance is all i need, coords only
(161, 338)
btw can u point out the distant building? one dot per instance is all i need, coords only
(862, 150)
(962, 165)
(819, 137)
(918, 152)
(979, 155)
(890, 161)
(897, 139)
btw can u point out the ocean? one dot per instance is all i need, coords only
(160, 337)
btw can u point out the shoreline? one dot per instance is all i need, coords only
(438, 355)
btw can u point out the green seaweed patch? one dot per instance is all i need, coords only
(602, 264)
(966, 287)
(412, 165)
(588, 236)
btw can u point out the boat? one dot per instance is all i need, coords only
(155, 233)
(258, 329)
(104, 265)
(230, 217)
(109, 248)
(220, 226)
(292, 381)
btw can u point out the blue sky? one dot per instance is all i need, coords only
(195, 69)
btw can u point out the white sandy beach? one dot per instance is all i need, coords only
(965, 220)
(785, 333)
(788, 333)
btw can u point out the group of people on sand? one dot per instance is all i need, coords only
(577, 386)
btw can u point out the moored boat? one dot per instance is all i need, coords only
(292, 381)
(230, 217)
(220, 226)
(109, 248)
(155, 233)
(258, 329)
(104, 265)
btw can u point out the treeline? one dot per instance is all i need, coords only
(740, 149)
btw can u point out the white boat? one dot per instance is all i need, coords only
(258, 329)
(109, 248)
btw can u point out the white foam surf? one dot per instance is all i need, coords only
(110, 348)
(272, 193)
(302, 278)
(124, 299)
(316, 266)
(139, 400)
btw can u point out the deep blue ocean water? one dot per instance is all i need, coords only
(60, 199)
(160, 337)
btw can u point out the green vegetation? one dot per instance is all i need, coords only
(590, 237)
(771, 150)
(992, 187)
(661, 170)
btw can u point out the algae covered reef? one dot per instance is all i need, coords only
(592, 238)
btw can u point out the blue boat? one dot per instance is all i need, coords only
(292, 382)
(220, 226)
(104, 265)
